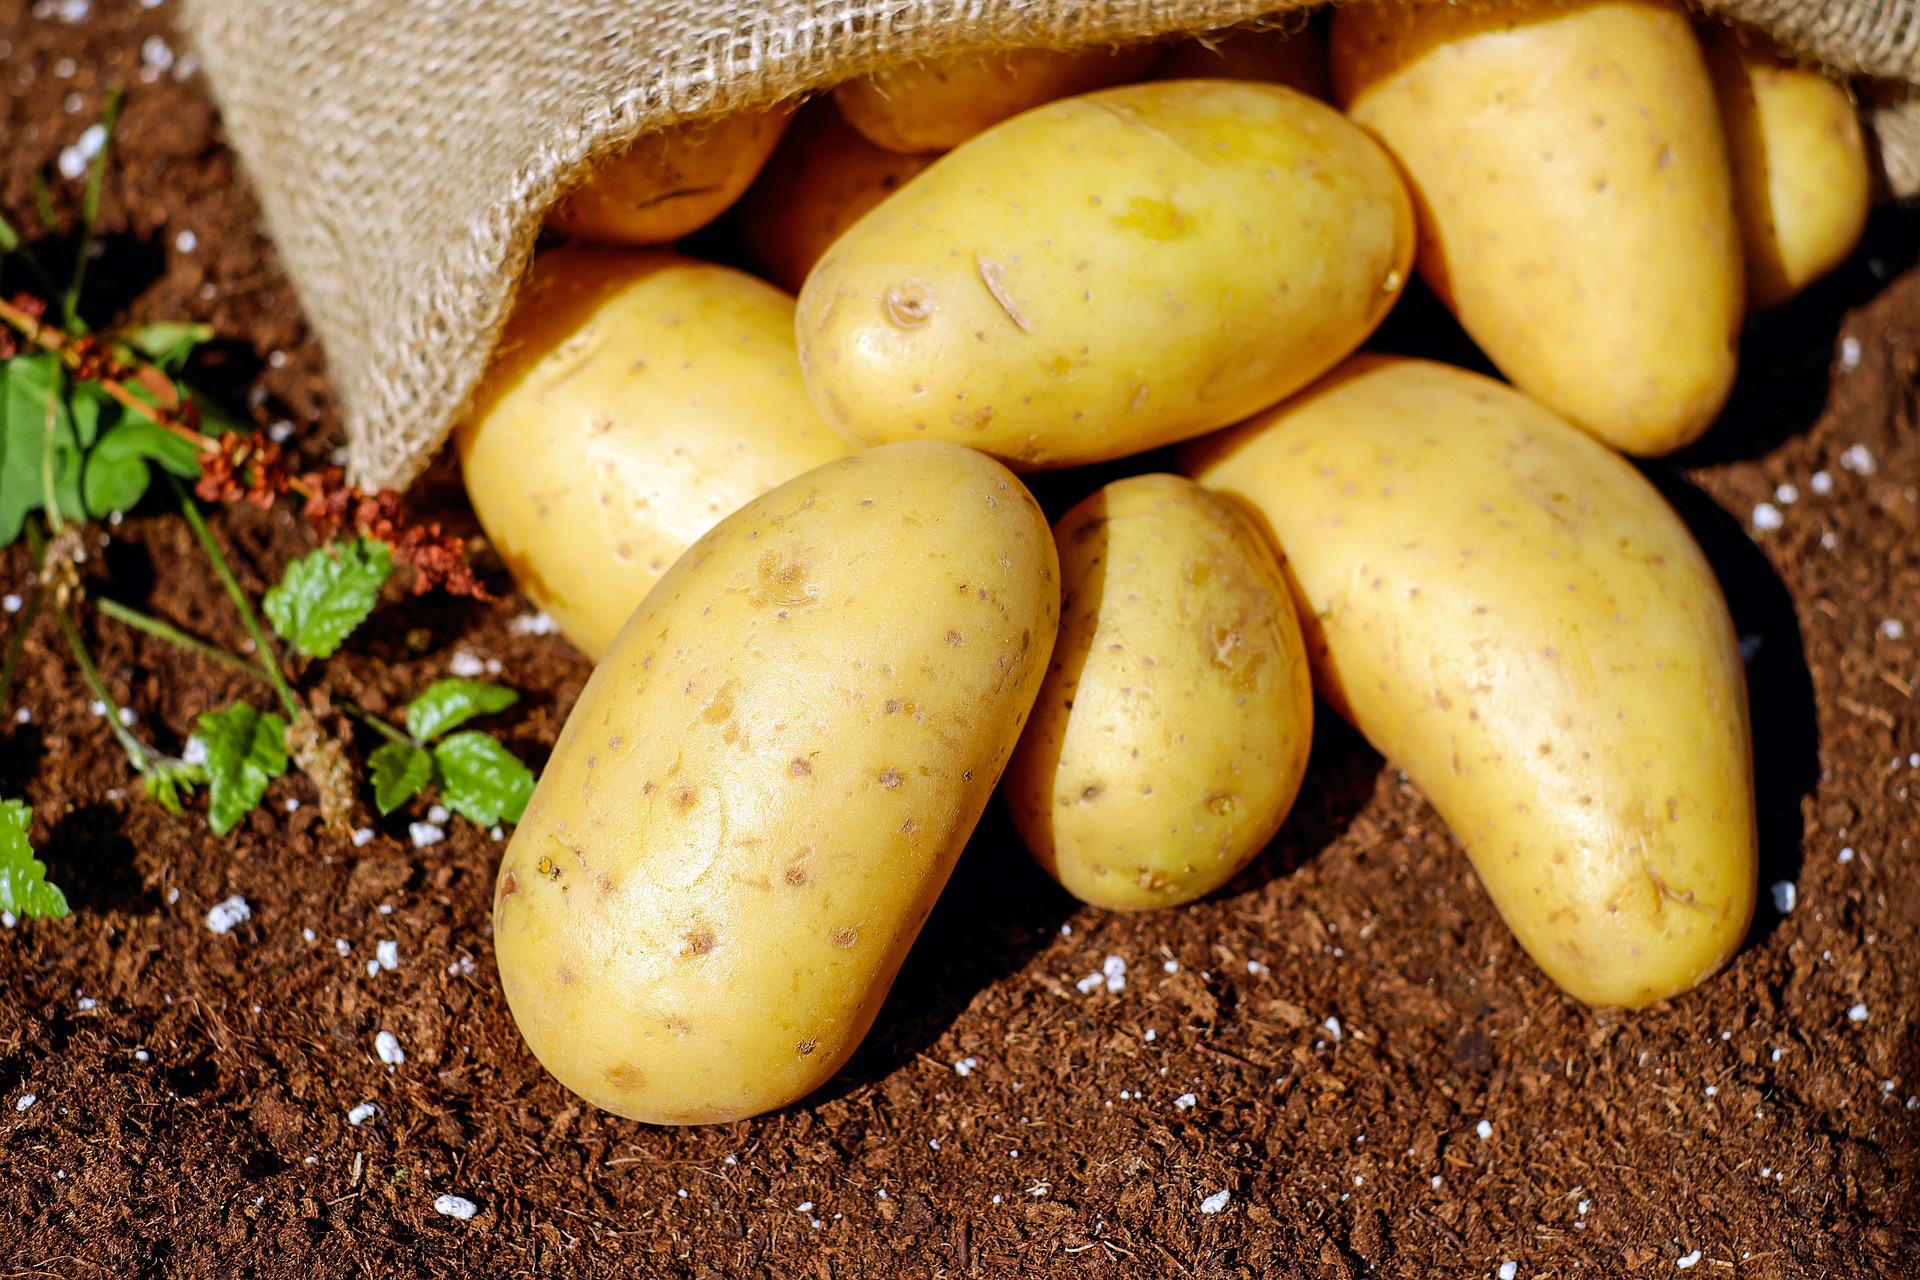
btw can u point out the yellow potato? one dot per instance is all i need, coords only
(671, 183)
(765, 783)
(819, 183)
(1576, 205)
(1170, 737)
(931, 106)
(1513, 615)
(1800, 176)
(1107, 274)
(1296, 59)
(636, 399)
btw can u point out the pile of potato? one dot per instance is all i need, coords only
(828, 616)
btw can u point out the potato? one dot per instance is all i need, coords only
(932, 106)
(635, 400)
(823, 177)
(1296, 59)
(1800, 178)
(671, 183)
(1170, 737)
(766, 781)
(1107, 274)
(1511, 613)
(1576, 205)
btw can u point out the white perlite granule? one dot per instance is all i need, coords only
(223, 916)
(455, 1207)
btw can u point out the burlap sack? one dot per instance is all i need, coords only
(405, 150)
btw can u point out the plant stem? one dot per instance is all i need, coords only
(263, 647)
(375, 723)
(16, 646)
(90, 214)
(175, 636)
(50, 499)
(137, 753)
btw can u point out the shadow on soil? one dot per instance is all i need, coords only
(1786, 353)
(1341, 776)
(1786, 734)
(91, 858)
(997, 912)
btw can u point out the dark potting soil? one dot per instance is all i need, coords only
(1346, 1044)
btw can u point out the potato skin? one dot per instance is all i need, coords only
(1108, 273)
(766, 781)
(934, 106)
(636, 399)
(1296, 59)
(1575, 198)
(1171, 735)
(1800, 178)
(819, 183)
(1513, 615)
(671, 183)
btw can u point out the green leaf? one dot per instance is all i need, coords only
(246, 749)
(168, 781)
(136, 437)
(117, 470)
(168, 343)
(24, 890)
(399, 770)
(91, 407)
(447, 703)
(481, 779)
(328, 593)
(28, 384)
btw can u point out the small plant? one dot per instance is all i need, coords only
(88, 422)
(24, 890)
(475, 776)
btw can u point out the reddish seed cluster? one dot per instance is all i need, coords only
(437, 558)
(249, 466)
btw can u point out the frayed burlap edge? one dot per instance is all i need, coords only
(404, 151)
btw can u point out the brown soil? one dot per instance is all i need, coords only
(192, 1089)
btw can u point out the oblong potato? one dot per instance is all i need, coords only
(1514, 616)
(1109, 273)
(1575, 199)
(670, 183)
(932, 106)
(819, 183)
(766, 781)
(635, 400)
(1171, 735)
(1296, 58)
(1800, 176)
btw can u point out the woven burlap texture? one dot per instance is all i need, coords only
(404, 151)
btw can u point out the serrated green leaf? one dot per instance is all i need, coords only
(447, 703)
(326, 594)
(24, 890)
(480, 779)
(246, 749)
(168, 343)
(399, 770)
(168, 782)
